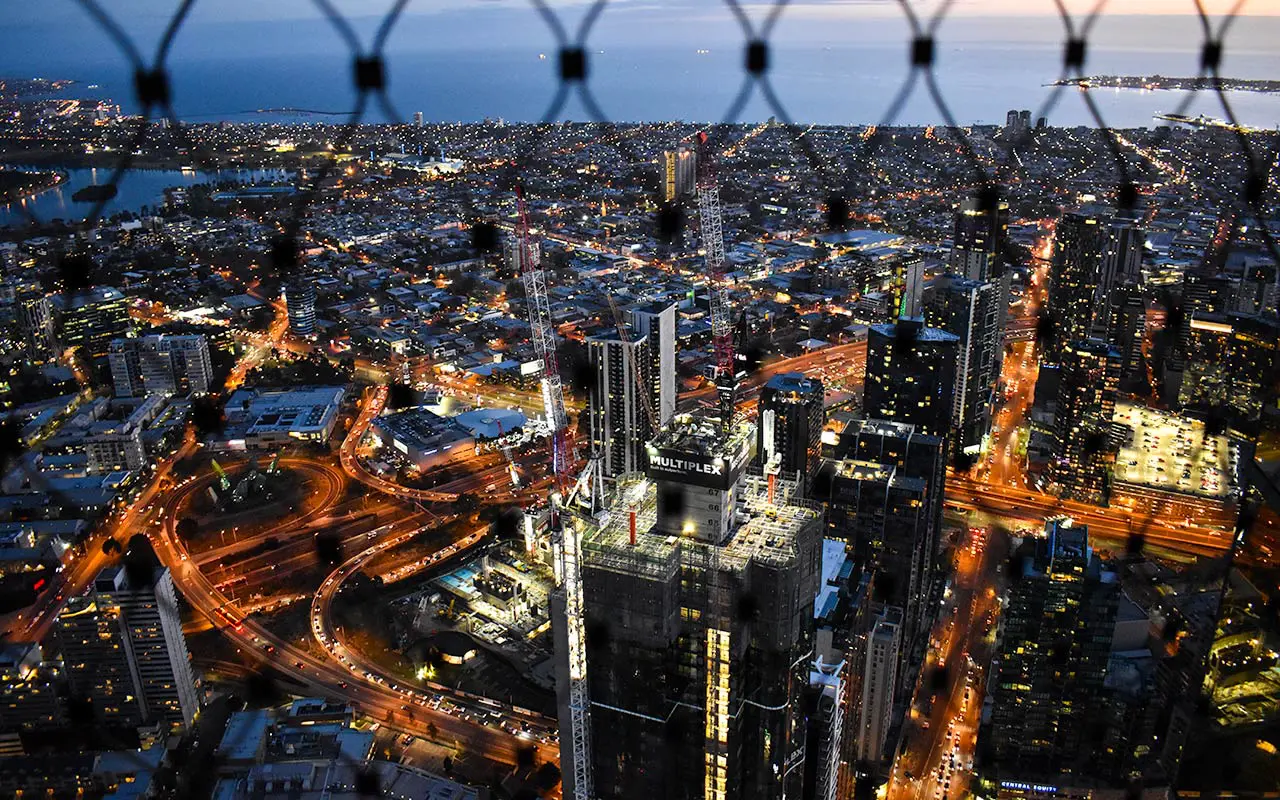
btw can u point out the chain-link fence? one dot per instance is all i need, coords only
(833, 178)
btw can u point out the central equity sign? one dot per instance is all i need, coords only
(685, 466)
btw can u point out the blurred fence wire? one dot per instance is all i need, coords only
(838, 165)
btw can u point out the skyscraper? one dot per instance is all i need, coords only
(883, 483)
(123, 648)
(300, 303)
(968, 309)
(1079, 240)
(1055, 641)
(911, 375)
(790, 424)
(911, 285)
(1086, 402)
(1120, 265)
(92, 318)
(979, 238)
(35, 321)
(619, 422)
(164, 364)
(880, 660)
(699, 593)
(658, 322)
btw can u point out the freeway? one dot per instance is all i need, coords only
(332, 640)
(827, 363)
(319, 673)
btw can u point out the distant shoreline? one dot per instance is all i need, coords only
(1162, 83)
(49, 180)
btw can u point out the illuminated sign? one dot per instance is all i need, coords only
(696, 469)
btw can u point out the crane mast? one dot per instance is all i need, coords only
(717, 292)
(565, 541)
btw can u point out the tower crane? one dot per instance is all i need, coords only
(564, 533)
(726, 378)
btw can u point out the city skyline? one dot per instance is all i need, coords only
(790, 456)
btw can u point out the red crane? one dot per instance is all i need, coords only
(726, 378)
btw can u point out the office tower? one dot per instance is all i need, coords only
(163, 364)
(790, 424)
(881, 656)
(911, 375)
(93, 318)
(300, 303)
(699, 594)
(1090, 374)
(123, 649)
(35, 321)
(968, 309)
(1119, 265)
(978, 240)
(658, 322)
(417, 119)
(679, 173)
(28, 690)
(619, 423)
(1055, 641)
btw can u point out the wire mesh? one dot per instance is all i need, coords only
(840, 167)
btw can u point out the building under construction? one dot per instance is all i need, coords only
(698, 588)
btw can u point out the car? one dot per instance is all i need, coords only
(298, 664)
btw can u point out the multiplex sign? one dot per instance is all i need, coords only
(694, 469)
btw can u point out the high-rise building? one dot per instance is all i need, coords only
(300, 303)
(679, 173)
(28, 690)
(123, 650)
(1232, 366)
(911, 375)
(790, 424)
(619, 422)
(824, 711)
(1090, 375)
(979, 238)
(92, 318)
(1126, 332)
(417, 119)
(1079, 240)
(881, 656)
(1119, 265)
(1256, 292)
(969, 309)
(700, 590)
(35, 321)
(910, 285)
(163, 364)
(658, 321)
(1055, 642)
(883, 483)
